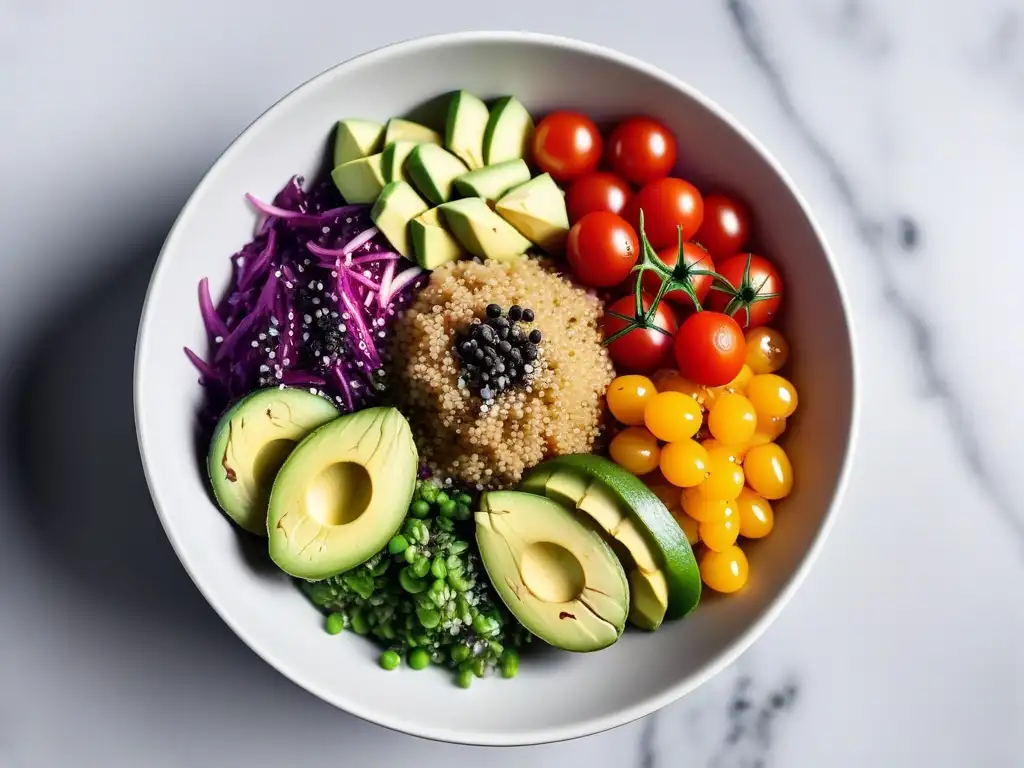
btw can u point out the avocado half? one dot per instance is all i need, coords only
(251, 442)
(663, 571)
(557, 576)
(342, 494)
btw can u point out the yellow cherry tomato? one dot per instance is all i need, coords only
(732, 419)
(691, 528)
(719, 535)
(698, 505)
(725, 571)
(767, 350)
(769, 428)
(773, 397)
(739, 384)
(755, 513)
(636, 450)
(768, 471)
(733, 453)
(684, 463)
(627, 397)
(725, 477)
(673, 381)
(672, 416)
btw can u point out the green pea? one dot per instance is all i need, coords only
(509, 664)
(448, 509)
(390, 660)
(482, 625)
(464, 498)
(438, 569)
(360, 625)
(458, 547)
(421, 567)
(419, 659)
(419, 508)
(495, 647)
(409, 582)
(429, 617)
(464, 679)
(334, 623)
(478, 667)
(410, 554)
(441, 498)
(459, 653)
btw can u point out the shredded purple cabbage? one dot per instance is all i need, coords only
(310, 303)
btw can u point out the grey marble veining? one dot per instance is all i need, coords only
(902, 125)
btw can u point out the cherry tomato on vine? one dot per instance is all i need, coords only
(710, 348)
(641, 350)
(726, 226)
(757, 294)
(640, 150)
(598, 191)
(667, 204)
(601, 249)
(567, 145)
(694, 257)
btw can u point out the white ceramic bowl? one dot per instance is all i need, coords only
(558, 695)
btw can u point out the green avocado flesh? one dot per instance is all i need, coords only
(251, 442)
(638, 526)
(559, 578)
(342, 493)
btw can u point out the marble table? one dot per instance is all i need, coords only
(903, 123)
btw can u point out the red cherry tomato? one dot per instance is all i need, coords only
(710, 348)
(641, 150)
(667, 204)
(567, 145)
(601, 249)
(693, 256)
(758, 293)
(641, 350)
(726, 226)
(596, 192)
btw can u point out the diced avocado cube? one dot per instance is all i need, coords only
(406, 130)
(481, 231)
(355, 139)
(432, 170)
(360, 181)
(397, 205)
(492, 182)
(431, 242)
(537, 210)
(394, 159)
(509, 132)
(464, 135)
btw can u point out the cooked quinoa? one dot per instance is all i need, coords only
(558, 412)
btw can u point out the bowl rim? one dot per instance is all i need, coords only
(621, 716)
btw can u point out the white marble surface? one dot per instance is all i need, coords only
(903, 123)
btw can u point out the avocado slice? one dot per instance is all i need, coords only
(509, 131)
(360, 181)
(432, 170)
(537, 210)
(356, 138)
(394, 158)
(397, 205)
(406, 130)
(558, 577)
(648, 592)
(464, 133)
(432, 244)
(342, 494)
(481, 231)
(250, 444)
(492, 182)
(634, 516)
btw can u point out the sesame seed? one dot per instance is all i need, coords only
(334, 273)
(348, 220)
(271, 354)
(273, 321)
(277, 273)
(315, 301)
(264, 369)
(291, 315)
(305, 336)
(312, 390)
(273, 332)
(319, 286)
(288, 284)
(325, 230)
(262, 337)
(218, 339)
(255, 344)
(278, 374)
(342, 327)
(307, 319)
(286, 361)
